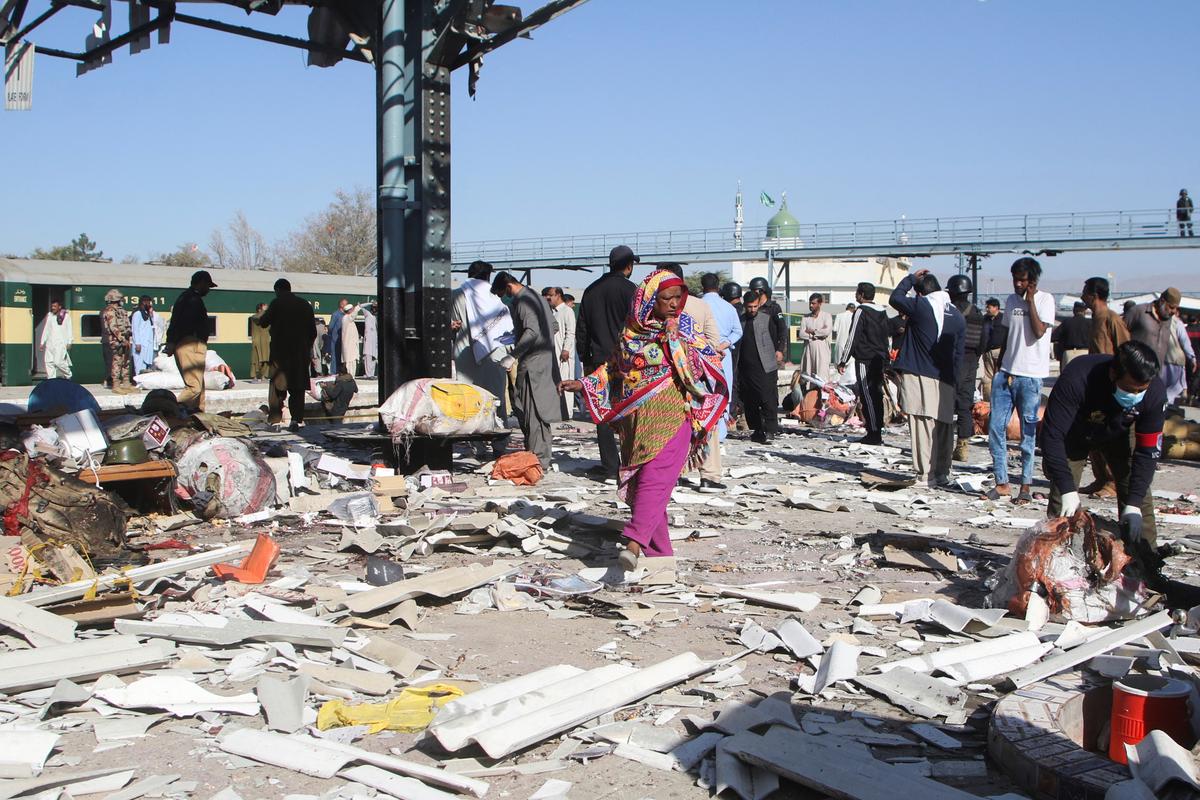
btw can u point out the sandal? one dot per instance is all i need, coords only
(994, 495)
(1024, 497)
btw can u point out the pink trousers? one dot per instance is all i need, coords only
(651, 491)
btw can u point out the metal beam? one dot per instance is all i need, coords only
(538, 18)
(264, 36)
(38, 20)
(117, 42)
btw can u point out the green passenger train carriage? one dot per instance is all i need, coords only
(28, 286)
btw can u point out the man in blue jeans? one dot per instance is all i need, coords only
(1024, 363)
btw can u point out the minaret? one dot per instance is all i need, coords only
(738, 218)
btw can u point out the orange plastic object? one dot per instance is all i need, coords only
(1144, 703)
(522, 468)
(255, 567)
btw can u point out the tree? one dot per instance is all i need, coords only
(693, 280)
(187, 255)
(81, 248)
(239, 246)
(339, 239)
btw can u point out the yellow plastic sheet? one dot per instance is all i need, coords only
(456, 400)
(409, 712)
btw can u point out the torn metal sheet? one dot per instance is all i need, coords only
(952, 617)
(177, 696)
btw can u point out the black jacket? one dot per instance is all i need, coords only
(973, 341)
(1183, 209)
(1082, 413)
(868, 336)
(293, 327)
(1073, 334)
(779, 326)
(189, 317)
(602, 312)
(995, 332)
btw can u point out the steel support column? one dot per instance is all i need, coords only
(414, 198)
(413, 151)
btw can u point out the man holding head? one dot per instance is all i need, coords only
(929, 362)
(603, 308)
(536, 397)
(1024, 364)
(187, 338)
(293, 328)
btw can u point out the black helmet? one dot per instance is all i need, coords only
(760, 284)
(731, 290)
(959, 285)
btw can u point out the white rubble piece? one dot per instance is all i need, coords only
(283, 702)
(37, 626)
(534, 726)
(23, 753)
(1129, 632)
(937, 660)
(222, 631)
(826, 768)
(950, 616)
(323, 758)
(839, 663)
(177, 696)
(916, 692)
(1158, 760)
(79, 661)
(441, 584)
(790, 601)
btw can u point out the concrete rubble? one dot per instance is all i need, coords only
(823, 605)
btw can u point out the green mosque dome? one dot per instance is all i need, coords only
(783, 225)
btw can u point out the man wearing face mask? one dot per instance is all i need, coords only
(1113, 404)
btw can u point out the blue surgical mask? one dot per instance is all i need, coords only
(1127, 400)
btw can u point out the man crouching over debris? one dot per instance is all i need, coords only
(1113, 404)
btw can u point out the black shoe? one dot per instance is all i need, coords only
(688, 483)
(712, 487)
(868, 439)
(758, 437)
(295, 427)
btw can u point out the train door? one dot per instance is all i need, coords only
(43, 296)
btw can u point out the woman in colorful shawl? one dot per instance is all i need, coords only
(663, 390)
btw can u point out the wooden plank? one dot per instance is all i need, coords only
(819, 763)
(115, 473)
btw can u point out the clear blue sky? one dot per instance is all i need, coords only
(638, 115)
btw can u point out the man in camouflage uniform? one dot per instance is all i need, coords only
(115, 335)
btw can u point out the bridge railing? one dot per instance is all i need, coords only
(962, 231)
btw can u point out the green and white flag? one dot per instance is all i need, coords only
(765, 199)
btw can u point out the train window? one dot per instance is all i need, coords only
(89, 326)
